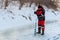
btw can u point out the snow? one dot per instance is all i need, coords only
(16, 25)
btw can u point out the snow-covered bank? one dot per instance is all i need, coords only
(15, 18)
(14, 21)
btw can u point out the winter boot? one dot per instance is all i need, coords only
(39, 30)
(42, 31)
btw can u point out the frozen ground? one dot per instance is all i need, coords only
(16, 25)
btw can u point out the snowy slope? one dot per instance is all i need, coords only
(16, 25)
(12, 18)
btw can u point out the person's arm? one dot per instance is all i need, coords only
(43, 11)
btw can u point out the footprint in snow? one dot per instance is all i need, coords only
(57, 37)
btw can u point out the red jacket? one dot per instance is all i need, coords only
(39, 11)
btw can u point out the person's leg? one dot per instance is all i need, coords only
(39, 29)
(43, 28)
(42, 24)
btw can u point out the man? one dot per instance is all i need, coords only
(41, 19)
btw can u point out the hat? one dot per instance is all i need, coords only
(39, 6)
